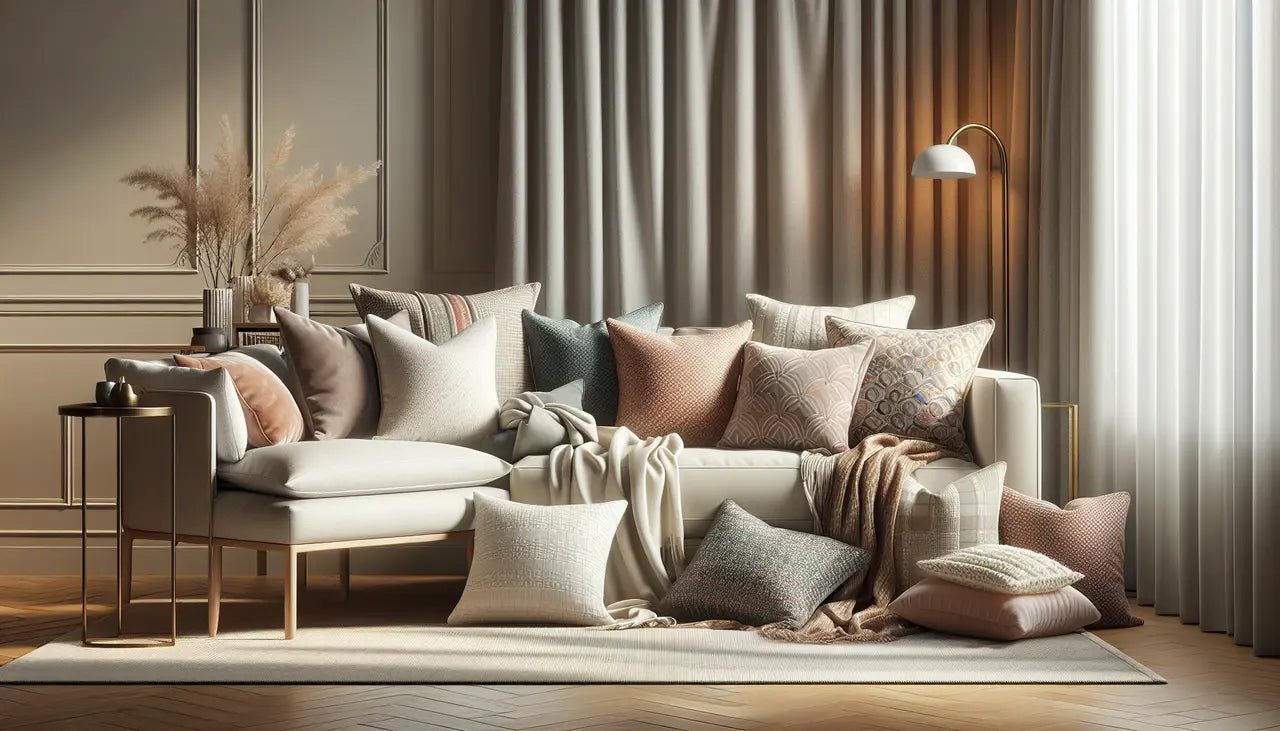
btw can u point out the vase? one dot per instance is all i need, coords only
(301, 302)
(262, 313)
(212, 339)
(218, 308)
(242, 290)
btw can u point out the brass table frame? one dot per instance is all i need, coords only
(1073, 445)
(84, 412)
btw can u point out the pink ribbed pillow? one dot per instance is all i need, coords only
(270, 412)
(677, 384)
(947, 607)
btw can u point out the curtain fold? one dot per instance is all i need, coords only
(692, 152)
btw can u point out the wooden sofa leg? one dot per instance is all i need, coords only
(344, 572)
(291, 565)
(126, 568)
(215, 587)
(262, 563)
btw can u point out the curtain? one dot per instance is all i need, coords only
(1176, 238)
(692, 152)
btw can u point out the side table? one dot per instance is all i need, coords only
(1073, 444)
(84, 412)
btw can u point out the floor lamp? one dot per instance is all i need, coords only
(941, 162)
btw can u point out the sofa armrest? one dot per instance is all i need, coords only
(1002, 420)
(146, 464)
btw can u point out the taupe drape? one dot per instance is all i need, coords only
(694, 151)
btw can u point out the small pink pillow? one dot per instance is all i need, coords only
(270, 412)
(960, 610)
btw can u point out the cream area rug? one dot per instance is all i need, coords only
(526, 655)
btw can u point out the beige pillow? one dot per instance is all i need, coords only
(960, 610)
(1087, 535)
(270, 413)
(804, 326)
(677, 384)
(930, 524)
(917, 382)
(538, 564)
(1002, 569)
(797, 399)
(436, 393)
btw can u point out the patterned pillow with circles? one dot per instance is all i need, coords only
(1002, 569)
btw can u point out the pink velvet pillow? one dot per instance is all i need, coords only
(947, 607)
(270, 412)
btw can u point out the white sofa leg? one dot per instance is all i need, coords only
(215, 587)
(291, 565)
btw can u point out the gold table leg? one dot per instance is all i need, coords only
(1073, 445)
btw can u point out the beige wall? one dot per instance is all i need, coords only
(83, 106)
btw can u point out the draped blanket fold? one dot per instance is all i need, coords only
(541, 425)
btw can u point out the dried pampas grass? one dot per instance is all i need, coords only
(213, 217)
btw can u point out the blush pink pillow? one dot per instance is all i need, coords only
(947, 607)
(270, 412)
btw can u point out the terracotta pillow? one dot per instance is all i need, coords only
(1087, 536)
(797, 399)
(677, 384)
(270, 413)
(947, 607)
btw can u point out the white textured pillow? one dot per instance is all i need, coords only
(538, 564)
(804, 326)
(931, 524)
(1002, 569)
(152, 375)
(437, 393)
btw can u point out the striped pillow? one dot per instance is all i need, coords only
(438, 317)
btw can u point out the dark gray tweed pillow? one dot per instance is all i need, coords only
(751, 572)
(561, 351)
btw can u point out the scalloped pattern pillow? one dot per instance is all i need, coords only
(796, 399)
(917, 382)
(1002, 569)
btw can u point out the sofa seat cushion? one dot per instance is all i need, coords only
(250, 516)
(346, 467)
(764, 482)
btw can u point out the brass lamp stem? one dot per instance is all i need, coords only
(1005, 319)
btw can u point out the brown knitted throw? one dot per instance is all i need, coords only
(854, 496)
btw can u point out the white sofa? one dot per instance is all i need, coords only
(1003, 423)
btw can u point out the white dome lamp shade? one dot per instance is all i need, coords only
(943, 161)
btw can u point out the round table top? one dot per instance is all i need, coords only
(92, 409)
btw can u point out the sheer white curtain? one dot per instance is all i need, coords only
(1179, 333)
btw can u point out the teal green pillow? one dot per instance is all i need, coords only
(561, 351)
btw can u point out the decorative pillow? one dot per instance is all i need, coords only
(361, 467)
(1087, 535)
(963, 514)
(804, 326)
(436, 393)
(270, 413)
(681, 384)
(796, 399)
(1002, 569)
(438, 317)
(334, 372)
(538, 564)
(149, 375)
(561, 351)
(947, 607)
(917, 382)
(751, 572)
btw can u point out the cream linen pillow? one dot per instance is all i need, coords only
(1002, 569)
(538, 564)
(804, 326)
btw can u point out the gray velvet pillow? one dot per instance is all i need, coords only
(751, 572)
(561, 351)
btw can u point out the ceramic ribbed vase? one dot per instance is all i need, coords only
(301, 302)
(242, 292)
(217, 305)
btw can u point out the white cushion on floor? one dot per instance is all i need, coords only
(345, 467)
(249, 516)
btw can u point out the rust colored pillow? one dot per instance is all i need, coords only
(681, 384)
(1087, 536)
(270, 412)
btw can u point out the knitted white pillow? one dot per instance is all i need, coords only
(1002, 569)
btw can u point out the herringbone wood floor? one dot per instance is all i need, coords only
(1214, 686)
